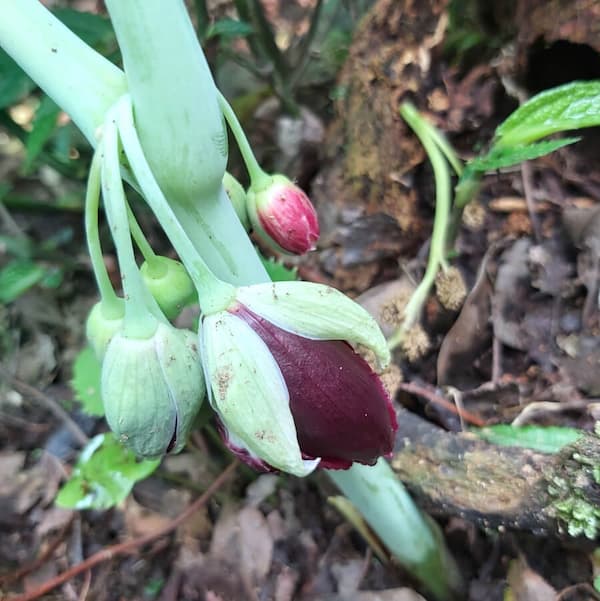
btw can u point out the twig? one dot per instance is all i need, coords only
(438, 399)
(126, 547)
(50, 404)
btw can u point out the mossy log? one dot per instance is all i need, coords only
(500, 487)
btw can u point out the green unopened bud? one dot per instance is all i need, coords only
(169, 283)
(103, 322)
(152, 389)
(237, 195)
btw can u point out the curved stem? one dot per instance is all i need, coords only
(255, 171)
(138, 322)
(437, 251)
(213, 293)
(140, 239)
(111, 303)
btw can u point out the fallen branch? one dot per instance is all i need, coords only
(126, 547)
(499, 487)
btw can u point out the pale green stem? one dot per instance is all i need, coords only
(177, 115)
(255, 171)
(406, 532)
(436, 135)
(112, 307)
(79, 79)
(437, 250)
(140, 239)
(138, 321)
(214, 294)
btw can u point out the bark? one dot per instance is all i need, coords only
(500, 487)
(366, 192)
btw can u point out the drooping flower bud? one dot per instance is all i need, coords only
(152, 389)
(169, 283)
(102, 324)
(282, 213)
(280, 355)
(237, 195)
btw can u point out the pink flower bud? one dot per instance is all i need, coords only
(282, 213)
(341, 411)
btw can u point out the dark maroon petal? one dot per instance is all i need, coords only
(341, 410)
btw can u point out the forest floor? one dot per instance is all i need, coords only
(524, 348)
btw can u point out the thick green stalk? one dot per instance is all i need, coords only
(177, 115)
(406, 532)
(80, 80)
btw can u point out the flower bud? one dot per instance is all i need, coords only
(289, 390)
(237, 195)
(169, 283)
(102, 324)
(152, 389)
(282, 213)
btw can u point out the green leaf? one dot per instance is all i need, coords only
(14, 83)
(229, 28)
(103, 476)
(86, 381)
(279, 272)
(43, 126)
(93, 29)
(17, 277)
(546, 439)
(503, 156)
(572, 106)
(19, 246)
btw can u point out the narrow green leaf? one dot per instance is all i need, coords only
(228, 29)
(17, 277)
(43, 126)
(502, 156)
(14, 83)
(546, 439)
(86, 381)
(571, 106)
(103, 476)
(19, 246)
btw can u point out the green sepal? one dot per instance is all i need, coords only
(315, 311)
(248, 392)
(152, 389)
(103, 323)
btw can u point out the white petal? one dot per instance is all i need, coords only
(249, 393)
(315, 311)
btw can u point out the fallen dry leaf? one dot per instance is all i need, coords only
(526, 585)
(469, 335)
